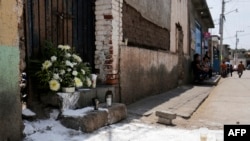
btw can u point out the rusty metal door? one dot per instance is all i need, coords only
(60, 22)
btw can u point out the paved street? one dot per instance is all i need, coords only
(228, 103)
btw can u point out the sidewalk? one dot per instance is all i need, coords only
(228, 103)
(183, 100)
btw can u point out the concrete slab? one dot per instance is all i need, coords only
(183, 101)
(91, 120)
(228, 103)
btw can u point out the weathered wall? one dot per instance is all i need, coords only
(141, 32)
(10, 107)
(179, 14)
(145, 72)
(108, 36)
(157, 11)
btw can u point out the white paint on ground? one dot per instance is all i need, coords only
(28, 112)
(52, 130)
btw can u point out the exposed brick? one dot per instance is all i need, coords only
(108, 17)
(108, 34)
(134, 24)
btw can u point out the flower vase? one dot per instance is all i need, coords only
(69, 100)
(93, 78)
(68, 89)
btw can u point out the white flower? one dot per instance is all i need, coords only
(74, 73)
(67, 55)
(66, 47)
(78, 58)
(60, 46)
(56, 76)
(69, 69)
(53, 58)
(83, 71)
(68, 63)
(88, 82)
(62, 72)
(54, 85)
(46, 64)
(74, 63)
(78, 82)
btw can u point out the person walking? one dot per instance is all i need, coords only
(223, 69)
(231, 69)
(241, 68)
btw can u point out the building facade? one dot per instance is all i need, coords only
(140, 47)
(10, 105)
(147, 44)
(200, 22)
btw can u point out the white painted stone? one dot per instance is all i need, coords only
(166, 114)
(102, 7)
(102, 2)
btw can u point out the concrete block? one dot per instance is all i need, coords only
(166, 114)
(164, 121)
(92, 120)
(117, 112)
(89, 123)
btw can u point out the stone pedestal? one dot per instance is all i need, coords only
(91, 120)
(69, 100)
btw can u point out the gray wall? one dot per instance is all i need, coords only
(145, 72)
(157, 11)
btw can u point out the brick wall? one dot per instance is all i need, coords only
(141, 32)
(108, 36)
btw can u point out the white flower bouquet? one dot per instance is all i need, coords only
(64, 69)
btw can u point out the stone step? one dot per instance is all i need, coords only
(89, 120)
(212, 81)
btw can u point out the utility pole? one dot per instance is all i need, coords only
(236, 45)
(221, 28)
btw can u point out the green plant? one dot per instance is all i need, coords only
(64, 68)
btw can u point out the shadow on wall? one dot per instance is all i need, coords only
(146, 72)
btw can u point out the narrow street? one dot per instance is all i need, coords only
(228, 103)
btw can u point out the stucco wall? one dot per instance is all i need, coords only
(145, 72)
(179, 14)
(157, 11)
(10, 106)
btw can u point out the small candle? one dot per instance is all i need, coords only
(109, 100)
